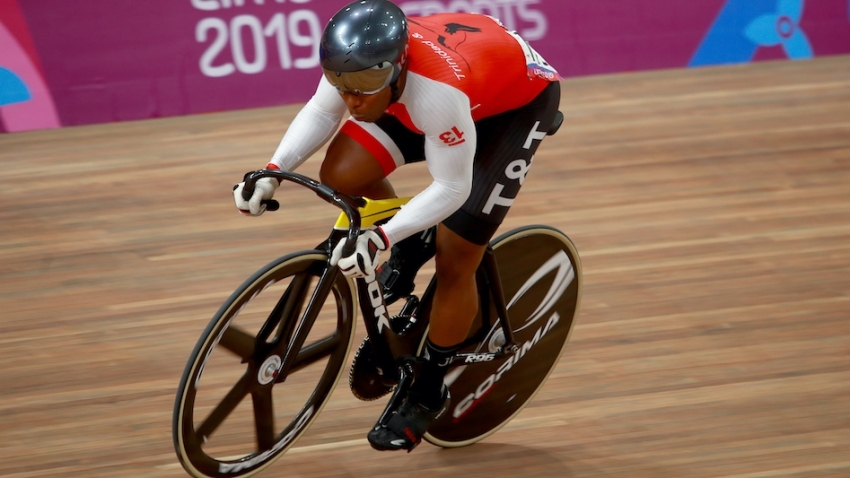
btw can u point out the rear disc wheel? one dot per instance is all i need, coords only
(541, 280)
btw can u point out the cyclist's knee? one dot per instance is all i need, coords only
(341, 172)
(350, 168)
(334, 175)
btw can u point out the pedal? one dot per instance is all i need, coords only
(410, 306)
(404, 322)
(387, 277)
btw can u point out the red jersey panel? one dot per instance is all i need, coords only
(477, 55)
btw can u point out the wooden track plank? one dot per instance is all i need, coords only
(710, 206)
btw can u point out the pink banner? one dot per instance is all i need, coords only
(72, 63)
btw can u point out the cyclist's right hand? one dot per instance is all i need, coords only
(263, 191)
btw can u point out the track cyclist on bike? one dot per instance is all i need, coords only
(456, 90)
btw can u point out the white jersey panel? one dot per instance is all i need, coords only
(314, 126)
(442, 113)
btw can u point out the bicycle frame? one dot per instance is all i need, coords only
(395, 352)
(540, 274)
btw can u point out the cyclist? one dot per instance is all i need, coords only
(457, 91)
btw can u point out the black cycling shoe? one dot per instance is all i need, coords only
(405, 427)
(396, 275)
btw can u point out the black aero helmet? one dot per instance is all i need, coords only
(364, 46)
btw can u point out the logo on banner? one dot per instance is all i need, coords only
(26, 102)
(745, 26)
(12, 88)
(519, 15)
(251, 44)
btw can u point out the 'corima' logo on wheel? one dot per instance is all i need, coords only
(564, 275)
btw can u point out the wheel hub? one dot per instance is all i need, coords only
(269, 370)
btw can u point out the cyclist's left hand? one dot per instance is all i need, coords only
(365, 258)
(263, 191)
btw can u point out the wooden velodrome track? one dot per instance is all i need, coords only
(711, 208)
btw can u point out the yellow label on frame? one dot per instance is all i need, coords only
(373, 212)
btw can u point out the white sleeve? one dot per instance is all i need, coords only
(443, 114)
(312, 127)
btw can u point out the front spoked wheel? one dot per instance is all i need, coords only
(541, 280)
(264, 367)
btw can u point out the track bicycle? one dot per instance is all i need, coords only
(283, 340)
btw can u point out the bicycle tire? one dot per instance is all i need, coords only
(217, 445)
(541, 279)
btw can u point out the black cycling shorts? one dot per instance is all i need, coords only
(503, 155)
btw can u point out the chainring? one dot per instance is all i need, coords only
(363, 378)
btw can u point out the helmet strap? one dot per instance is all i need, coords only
(396, 94)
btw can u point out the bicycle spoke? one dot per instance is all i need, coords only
(238, 341)
(224, 409)
(264, 417)
(313, 353)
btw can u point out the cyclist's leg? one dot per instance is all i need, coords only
(456, 298)
(362, 155)
(453, 309)
(506, 145)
